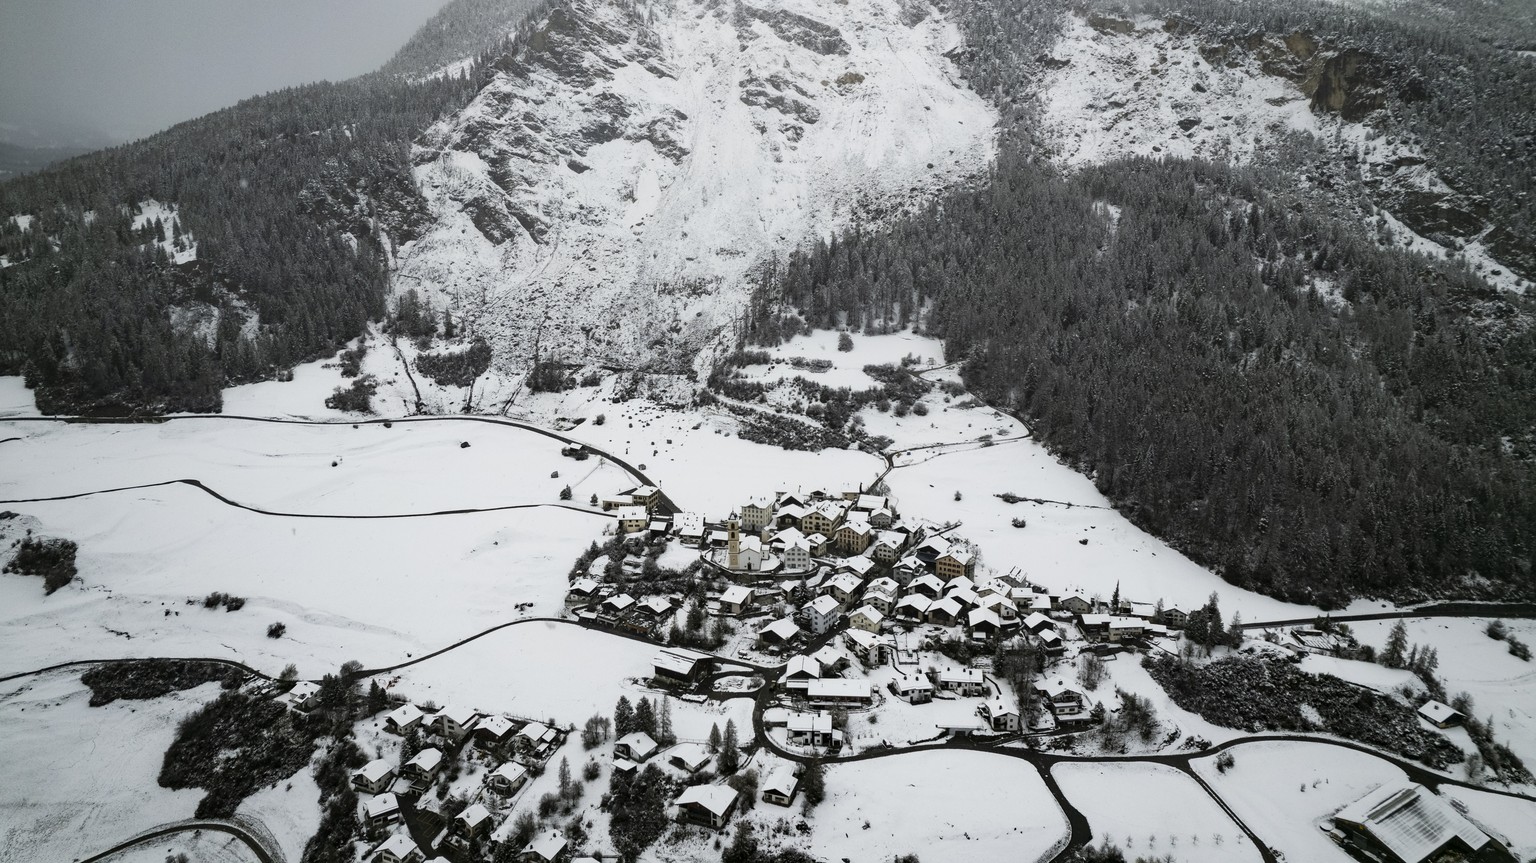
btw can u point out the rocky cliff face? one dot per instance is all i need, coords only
(606, 198)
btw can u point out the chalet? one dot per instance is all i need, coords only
(819, 543)
(1441, 715)
(1076, 604)
(1143, 610)
(1121, 628)
(914, 688)
(959, 584)
(637, 746)
(375, 777)
(403, 719)
(632, 519)
(820, 614)
(865, 645)
(999, 715)
(1051, 643)
(582, 590)
(1064, 701)
(984, 623)
(831, 660)
(1094, 625)
(1403, 822)
(780, 785)
(493, 732)
(788, 516)
(756, 513)
(536, 738)
(736, 599)
(930, 550)
(625, 767)
(471, 824)
(303, 697)
(454, 722)
(399, 848)
(617, 605)
(423, 766)
(781, 632)
(842, 586)
(545, 848)
(970, 681)
(800, 670)
(867, 618)
(656, 607)
(706, 805)
(965, 596)
(884, 586)
(689, 757)
(912, 608)
(507, 778)
(854, 536)
(681, 665)
(382, 810)
(1038, 623)
(810, 729)
(945, 612)
(926, 585)
(860, 566)
(1175, 617)
(689, 528)
(837, 692)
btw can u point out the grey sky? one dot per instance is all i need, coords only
(76, 70)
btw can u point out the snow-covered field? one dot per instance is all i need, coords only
(84, 778)
(1503, 688)
(1153, 810)
(200, 847)
(1377, 677)
(1283, 791)
(946, 807)
(289, 810)
(1507, 818)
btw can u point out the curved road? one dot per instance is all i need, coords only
(259, 844)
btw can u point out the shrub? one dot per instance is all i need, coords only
(233, 746)
(1518, 648)
(352, 360)
(456, 368)
(276, 630)
(599, 419)
(844, 342)
(137, 680)
(1497, 630)
(358, 398)
(53, 559)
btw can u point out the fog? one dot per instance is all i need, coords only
(93, 72)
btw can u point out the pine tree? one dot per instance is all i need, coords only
(730, 749)
(714, 737)
(645, 717)
(566, 785)
(1396, 652)
(565, 493)
(813, 786)
(1235, 631)
(664, 733)
(623, 717)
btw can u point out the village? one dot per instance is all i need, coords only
(851, 630)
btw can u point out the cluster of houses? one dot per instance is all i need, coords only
(389, 793)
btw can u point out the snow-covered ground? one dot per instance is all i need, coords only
(1503, 688)
(83, 778)
(1153, 810)
(1506, 818)
(946, 807)
(289, 810)
(612, 195)
(199, 847)
(1284, 791)
(1377, 677)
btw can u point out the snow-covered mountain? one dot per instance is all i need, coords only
(606, 198)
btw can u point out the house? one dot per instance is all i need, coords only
(625, 767)
(819, 543)
(689, 528)
(1094, 625)
(788, 516)
(853, 537)
(736, 599)
(860, 566)
(1121, 628)
(955, 564)
(865, 645)
(1051, 643)
(831, 660)
(681, 665)
(884, 586)
(636, 746)
(617, 605)
(945, 612)
(535, 737)
(423, 766)
(472, 823)
(493, 732)
(867, 618)
(926, 585)
(969, 681)
(842, 586)
(1441, 715)
(1175, 618)
(960, 584)
(1077, 604)
(820, 614)
(454, 722)
(914, 689)
(913, 608)
(810, 729)
(780, 785)
(985, 623)
(756, 513)
(403, 719)
(1003, 607)
(399, 848)
(801, 669)
(824, 518)
(656, 607)
(929, 550)
(632, 519)
(381, 810)
(999, 715)
(1404, 822)
(1065, 702)
(780, 632)
(374, 777)
(688, 757)
(545, 848)
(887, 547)
(838, 692)
(707, 805)
(648, 496)
(1038, 623)
(304, 696)
(507, 778)
(797, 554)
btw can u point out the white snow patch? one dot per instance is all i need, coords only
(1153, 810)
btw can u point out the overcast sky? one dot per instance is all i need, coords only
(121, 69)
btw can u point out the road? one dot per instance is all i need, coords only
(261, 842)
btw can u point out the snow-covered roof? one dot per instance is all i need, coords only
(915, 601)
(823, 605)
(511, 771)
(979, 616)
(382, 804)
(584, 585)
(949, 605)
(496, 726)
(912, 683)
(858, 527)
(784, 629)
(678, 660)
(632, 513)
(657, 604)
(1127, 623)
(858, 565)
(964, 596)
(620, 602)
(638, 742)
(1438, 712)
(1055, 688)
(400, 845)
(457, 713)
(836, 688)
(960, 583)
(788, 534)
(844, 582)
(830, 656)
(1049, 637)
(474, 815)
(802, 665)
(427, 759)
(961, 557)
(736, 594)
(547, 846)
(862, 637)
(688, 523)
(404, 715)
(884, 584)
(817, 722)
(715, 799)
(1036, 620)
(1410, 820)
(375, 770)
(781, 780)
(869, 613)
(998, 707)
(926, 580)
(692, 756)
(534, 731)
(963, 675)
